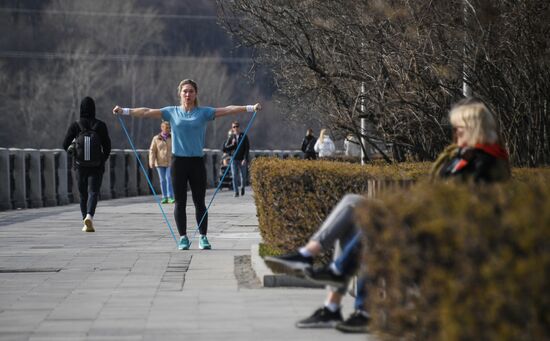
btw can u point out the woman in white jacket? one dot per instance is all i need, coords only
(324, 145)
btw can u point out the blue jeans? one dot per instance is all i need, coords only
(347, 263)
(361, 294)
(238, 172)
(165, 182)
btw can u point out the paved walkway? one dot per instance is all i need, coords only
(128, 281)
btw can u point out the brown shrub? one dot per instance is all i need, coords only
(458, 262)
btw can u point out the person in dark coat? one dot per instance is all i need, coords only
(308, 145)
(239, 166)
(89, 176)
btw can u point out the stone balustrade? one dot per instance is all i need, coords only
(32, 178)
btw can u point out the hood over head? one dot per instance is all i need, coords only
(87, 108)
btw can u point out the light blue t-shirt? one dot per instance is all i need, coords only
(188, 128)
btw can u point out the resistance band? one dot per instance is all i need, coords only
(148, 180)
(215, 192)
(224, 174)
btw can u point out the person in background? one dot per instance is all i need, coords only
(308, 145)
(239, 166)
(351, 146)
(91, 144)
(226, 156)
(160, 155)
(476, 155)
(324, 145)
(188, 122)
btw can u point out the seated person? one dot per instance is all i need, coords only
(476, 155)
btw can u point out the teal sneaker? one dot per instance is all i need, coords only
(164, 201)
(184, 243)
(204, 244)
(171, 200)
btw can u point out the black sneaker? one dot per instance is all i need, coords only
(321, 318)
(326, 276)
(293, 263)
(242, 191)
(236, 194)
(355, 323)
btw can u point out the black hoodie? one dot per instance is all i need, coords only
(87, 119)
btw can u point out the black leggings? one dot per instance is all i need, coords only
(89, 184)
(190, 169)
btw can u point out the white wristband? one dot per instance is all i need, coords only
(249, 108)
(126, 111)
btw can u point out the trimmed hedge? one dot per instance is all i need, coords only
(528, 174)
(293, 197)
(448, 261)
(458, 262)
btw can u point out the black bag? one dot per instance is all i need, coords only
(87, 151)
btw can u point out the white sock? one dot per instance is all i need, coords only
(305, 252)
(88, 216)
(333, 307)
(334, 269)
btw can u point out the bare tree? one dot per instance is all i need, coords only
(411, 57)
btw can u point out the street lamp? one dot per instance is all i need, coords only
(363, 124)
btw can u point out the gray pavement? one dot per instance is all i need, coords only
(128, 281)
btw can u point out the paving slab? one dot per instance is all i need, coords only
(128, 281)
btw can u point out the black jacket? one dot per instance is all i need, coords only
(231, 145)
(308, 144)
(87, 119)
(484, 163)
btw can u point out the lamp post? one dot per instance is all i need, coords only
(363, 124)
(466, 89)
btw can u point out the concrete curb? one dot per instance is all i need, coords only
(269, 279)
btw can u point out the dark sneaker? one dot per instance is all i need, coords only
(355, 323)
(236, 194)
(324, 275)
(321, 318)
(293, 263)
(242, 191)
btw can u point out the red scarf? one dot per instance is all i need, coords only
(493, 149)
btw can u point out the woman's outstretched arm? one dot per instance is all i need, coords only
(138, 112)
(235, 109)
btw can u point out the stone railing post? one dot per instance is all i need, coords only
(105, 190)
(34, 177)
(60, 157)
(49, 185)
(216, 166)
(119, 173)
(209, 166)
(5, 180)
(19, 184)
(131, 173)
(143, 185)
